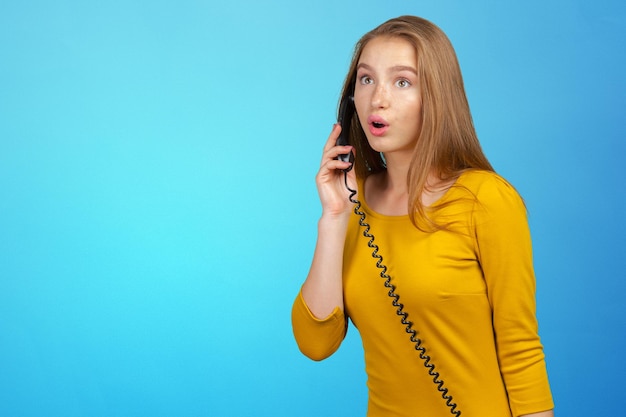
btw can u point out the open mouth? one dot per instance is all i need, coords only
(377, 125)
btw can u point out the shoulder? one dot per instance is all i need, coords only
(487, 186)
(491, 192)
(479, 180)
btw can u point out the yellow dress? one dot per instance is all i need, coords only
(470, 292)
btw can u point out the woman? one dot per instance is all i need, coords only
(452, 233)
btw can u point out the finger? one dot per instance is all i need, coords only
(332, 137)
(333, 153)
(336, 165)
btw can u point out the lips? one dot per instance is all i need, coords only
(377, 125)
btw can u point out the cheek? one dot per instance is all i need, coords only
(413, 112)
(359, 101)
(412, 121)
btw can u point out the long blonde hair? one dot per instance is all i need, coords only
(447, 144)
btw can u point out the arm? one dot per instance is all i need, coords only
(318, 321)
(505, 253)
(322, 291)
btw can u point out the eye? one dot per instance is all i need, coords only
(402, 83)
(365, 79)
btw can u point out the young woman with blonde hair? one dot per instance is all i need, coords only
(453, 236)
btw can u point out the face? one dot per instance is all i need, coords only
(387, 96)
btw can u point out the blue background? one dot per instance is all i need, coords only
(158, 207)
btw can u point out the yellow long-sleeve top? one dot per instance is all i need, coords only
(470, 292)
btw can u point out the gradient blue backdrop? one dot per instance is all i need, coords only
(158, 208)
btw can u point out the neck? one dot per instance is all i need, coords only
(394, 182)
(395, 177)
(387, 191)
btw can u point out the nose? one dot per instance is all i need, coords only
(380, 98)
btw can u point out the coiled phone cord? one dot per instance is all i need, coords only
(400, 307)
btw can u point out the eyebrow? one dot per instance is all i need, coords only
(396, 68)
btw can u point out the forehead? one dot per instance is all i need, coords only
(389, 51)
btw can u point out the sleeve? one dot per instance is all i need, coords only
(505, 254)
(317, 338)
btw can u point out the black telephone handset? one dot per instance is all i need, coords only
(344, 118)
